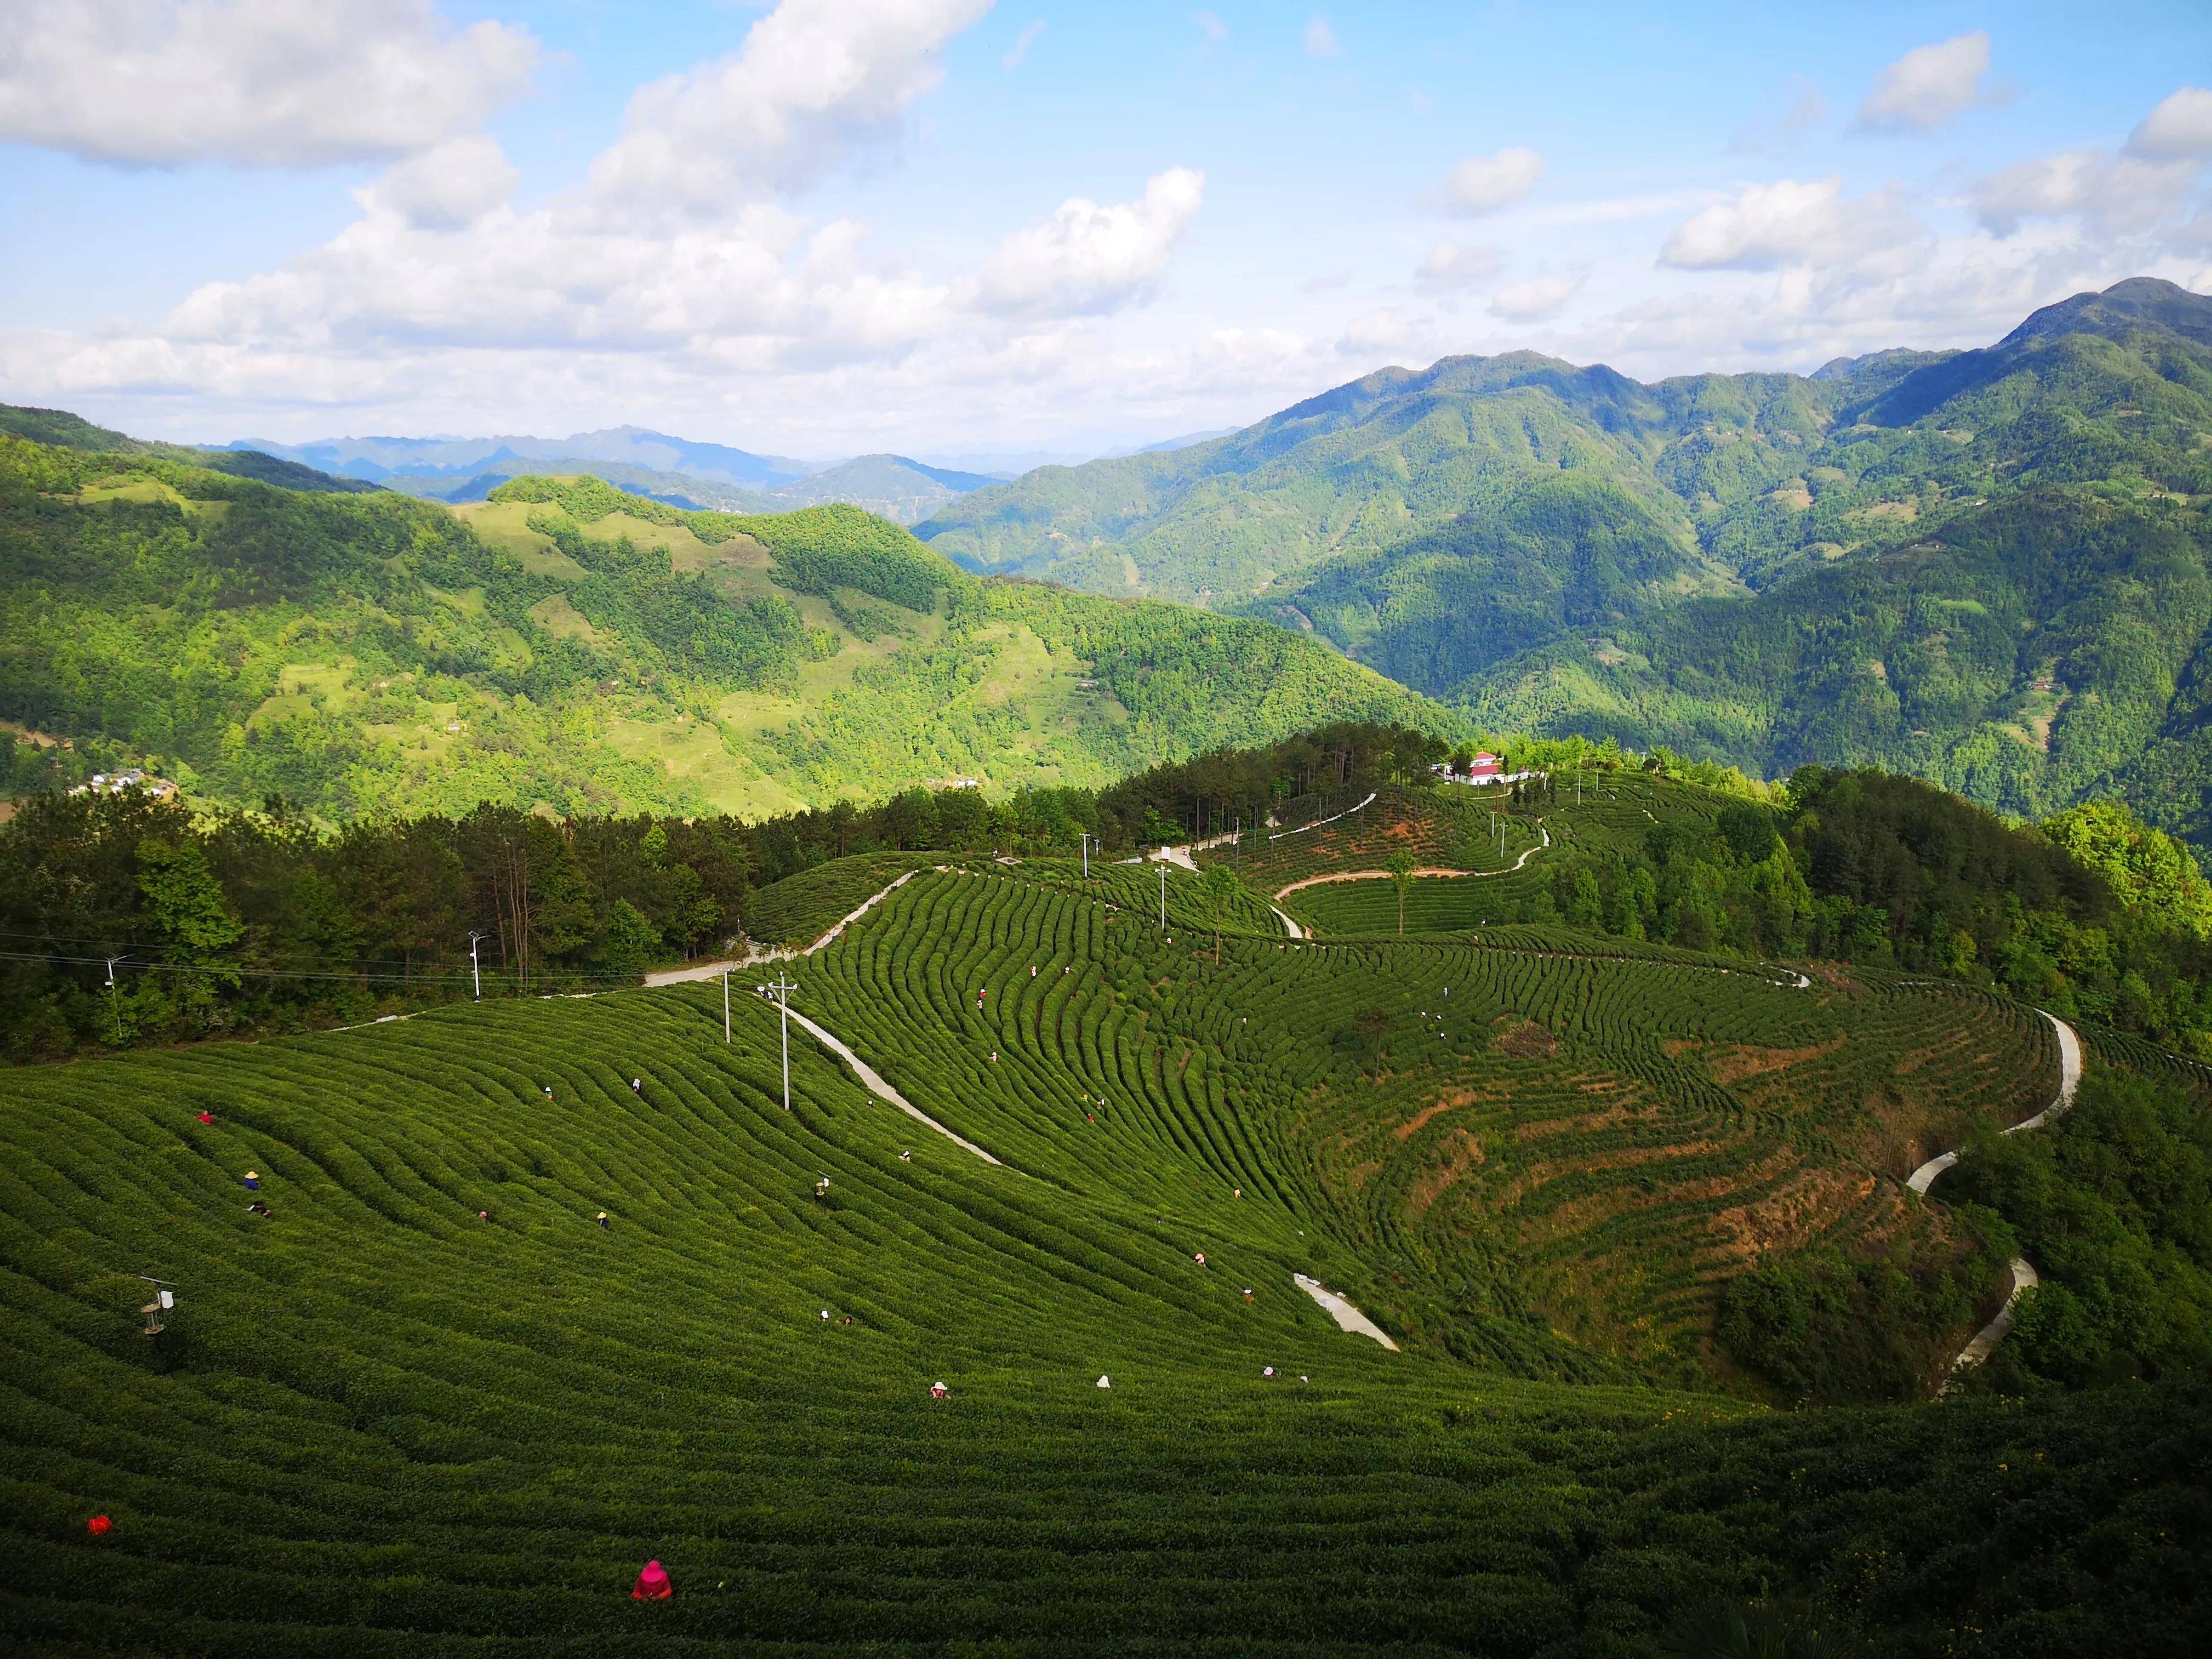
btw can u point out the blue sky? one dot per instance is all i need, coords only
(962, 229)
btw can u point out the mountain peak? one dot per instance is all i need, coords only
(2125, 308)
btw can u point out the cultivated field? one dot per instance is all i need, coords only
(381, 1421)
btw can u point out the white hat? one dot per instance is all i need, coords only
(1105, 1382)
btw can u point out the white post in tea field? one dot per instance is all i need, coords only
(781, 988)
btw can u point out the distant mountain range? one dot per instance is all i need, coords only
(677, 470)
(1991, 567)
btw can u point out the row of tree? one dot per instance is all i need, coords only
(131, 919)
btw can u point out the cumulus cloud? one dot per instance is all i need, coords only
(1790, 221)
(1321, 39)
(1537, 299)
(253, 82)
(1089, 259)
(1929, 85)
(1210, 25)
(2114, 193)
(441, 266)
(443, 189)
(1020, 49)
(2180, 126)
(1381, 330)
(813, 78)
(1447, 266)
(1484, 183)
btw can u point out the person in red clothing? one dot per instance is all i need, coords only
(98, 1526)
(207, 1117)
(652, 1584)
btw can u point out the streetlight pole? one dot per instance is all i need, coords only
(1164, 895)
(725, 1006)
(781, 988)
(476, 974)
(1086, 855)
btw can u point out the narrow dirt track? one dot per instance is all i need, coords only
(2023, 1274)
(1346, 1316)
(1335, 877)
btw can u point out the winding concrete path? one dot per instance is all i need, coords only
(2023, 1274)
(882, 1091)
(1346, 1316)
(701, 970)
(1336, 876)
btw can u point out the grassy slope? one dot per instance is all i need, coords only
(378, 1412)
(371, 653)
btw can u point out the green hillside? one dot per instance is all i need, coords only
(567, 645)
(1359, 469)
(1986, 568)
(424, 1403)
(2036, 651)
(61, 428)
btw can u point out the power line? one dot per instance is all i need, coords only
(562, 977)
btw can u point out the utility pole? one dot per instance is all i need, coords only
(1086, 855)
(114, 1007)
(1164, 895)
(475, 974)
(781, 989)
(725, 1006)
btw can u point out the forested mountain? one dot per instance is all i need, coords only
(568, 645)
(1987, 567)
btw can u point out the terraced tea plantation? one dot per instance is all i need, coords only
(1449, 827)
(428, 1403)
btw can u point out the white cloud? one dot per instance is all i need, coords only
(253, 82)
(1447, 266)
(1210, 25)
(441, 270)
(813, 78)
(1929, 85)
(446, 188)
(1537, 299)
(1321, 39)
(1790, 221)
(1020, 49)
(1483, 183)
(2180, 126)
(1381, 330)
(2114, 193)
(1089, 259)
